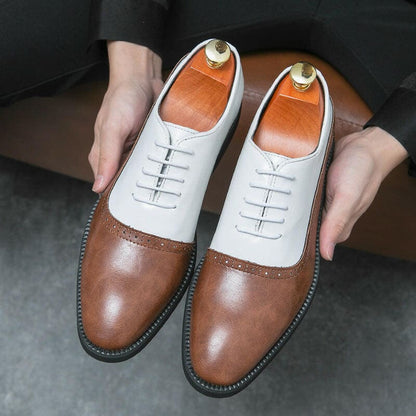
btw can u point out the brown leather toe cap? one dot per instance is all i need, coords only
(238, 315)
(127, 280)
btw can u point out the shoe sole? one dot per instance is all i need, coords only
(131, 350)
(219, 391)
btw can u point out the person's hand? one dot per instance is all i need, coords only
(135, 82)
(361, 161)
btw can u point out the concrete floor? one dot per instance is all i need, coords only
(354, 353)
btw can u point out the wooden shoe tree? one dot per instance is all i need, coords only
(199, 95)
(291, 123)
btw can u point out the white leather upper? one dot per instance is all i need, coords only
(286, 250)
(177, 223)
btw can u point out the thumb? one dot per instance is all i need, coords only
(111, 147)
(335, 226)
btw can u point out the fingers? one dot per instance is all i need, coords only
(338, 220)
(157, 87)
(119, 120)
(105, 157)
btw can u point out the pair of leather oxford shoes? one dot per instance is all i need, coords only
(257, 279)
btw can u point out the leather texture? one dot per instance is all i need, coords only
(128, 277)
(242, 306)
(200, 151)
(139, 257)
(275, 252)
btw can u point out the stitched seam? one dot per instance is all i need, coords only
(252, 267)
(295, 272)
(182, 128)
(251, 142)
(116, 232)
(182, 247)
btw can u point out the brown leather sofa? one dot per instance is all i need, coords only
(56, 134)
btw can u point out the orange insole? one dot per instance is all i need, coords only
(199, 95)
(291, 123)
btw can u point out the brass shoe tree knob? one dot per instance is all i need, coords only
(217, 53)
(302, 74)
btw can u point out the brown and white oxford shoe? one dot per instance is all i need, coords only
(138, 250)
(260, 272)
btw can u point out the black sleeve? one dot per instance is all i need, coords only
(397, 115)
(136, 21)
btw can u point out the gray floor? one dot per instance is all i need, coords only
(354, 354)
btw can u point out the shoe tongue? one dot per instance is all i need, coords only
(276, 159)
(177, 133)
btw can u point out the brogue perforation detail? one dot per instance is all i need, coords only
(138, 237)
(256, 269)
(127, 352)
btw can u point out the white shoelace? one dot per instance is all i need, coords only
(162, 176)
(264, 205)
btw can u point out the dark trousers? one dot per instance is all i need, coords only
(44, 44)
(43, 47)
